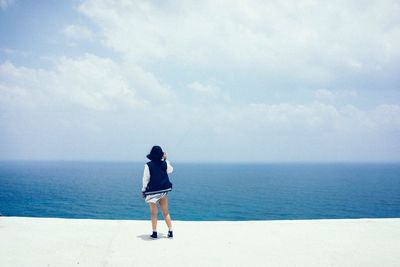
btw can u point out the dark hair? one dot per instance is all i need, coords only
(156, 153)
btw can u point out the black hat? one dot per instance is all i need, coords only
(156, 153)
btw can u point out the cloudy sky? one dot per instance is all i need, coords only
(214, 81)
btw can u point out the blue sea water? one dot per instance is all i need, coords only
(111, 190)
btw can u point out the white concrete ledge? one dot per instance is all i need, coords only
(81, 242)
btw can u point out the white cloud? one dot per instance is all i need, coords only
(305, 40)
(292, 121)
(6, 3)
(8, 51)
(95, 83)
(88, 81)
(324, 94)
(388, 115)
(78, 32)
(205, 90)
(151, 87)
(332, 95)
(101, 84)
(92, 100)
(285, 118)
(268, 53)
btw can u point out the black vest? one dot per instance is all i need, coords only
(159, 180)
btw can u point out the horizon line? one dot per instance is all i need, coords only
(214, 162)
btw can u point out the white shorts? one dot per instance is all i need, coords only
(155, 198)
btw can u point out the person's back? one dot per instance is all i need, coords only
(156, 185)
(159, 180)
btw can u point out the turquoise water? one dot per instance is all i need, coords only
(111, 190)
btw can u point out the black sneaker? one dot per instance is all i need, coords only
(170, 235)
(154, 235)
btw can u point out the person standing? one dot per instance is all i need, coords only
(156, 185)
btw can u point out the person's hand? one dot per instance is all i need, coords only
(143, 195)
(165, 156)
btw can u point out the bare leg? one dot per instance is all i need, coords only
(153, 212)
(164, 209)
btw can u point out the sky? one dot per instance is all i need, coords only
(208, 81)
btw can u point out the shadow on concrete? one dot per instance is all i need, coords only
(146, 237)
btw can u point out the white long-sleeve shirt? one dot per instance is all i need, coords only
(146, 174)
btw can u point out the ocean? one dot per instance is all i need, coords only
(281, 191)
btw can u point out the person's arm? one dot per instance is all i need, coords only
(169, 167)
(146, 177)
